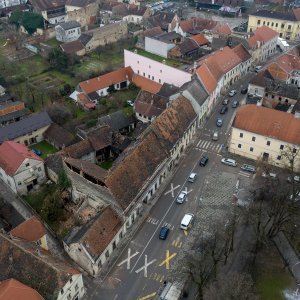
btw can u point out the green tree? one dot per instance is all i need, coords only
(29, 20)
(58, 59)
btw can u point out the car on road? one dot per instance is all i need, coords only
(223, 109)
(248, 168)
(258, 68)
(187, 221)
(130, 103)
(232, 93)
(219, 122)
(296, 179)
(203, 161)
(215, 136)
(225, 101)
(244, 91)
(235, 104)
(181, 197)
(37, 152)
(164, 231)
(229, 162)
(192, 177)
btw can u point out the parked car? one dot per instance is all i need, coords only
(229, 162)
(37, 152)
(244, 91)
(296, 179)
(258, 68)
(219, 122)
(225, 101)
(203, 161)
(269, 174)
(187, 221)
(235, 103)
(130, 103)
(232, 93)
(223, 109)
(192, 177)
(164, 231)
(248, 168)
(181, 197)
(215, 136)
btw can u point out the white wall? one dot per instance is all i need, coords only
(72, 289)
(154, 70)
(133, 19)
(158, 47)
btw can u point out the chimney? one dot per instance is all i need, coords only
(297, 114)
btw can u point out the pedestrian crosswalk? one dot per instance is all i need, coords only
(209, 146)
(245, 174)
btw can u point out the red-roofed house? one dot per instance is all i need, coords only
(103, 84)
(31, 230)
(20, 168)
(263, 43)
(12, 289)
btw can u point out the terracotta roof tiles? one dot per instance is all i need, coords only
(30, 230)
(146, 84)
(206, 78)
(200, 39)
(268, 122)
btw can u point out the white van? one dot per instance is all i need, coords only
(187, 221)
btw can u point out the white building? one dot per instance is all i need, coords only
(268, 134)
(20, 168)
(68, 31)
(8, 3)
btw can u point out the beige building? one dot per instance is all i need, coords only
(286, 24)
(263, 133)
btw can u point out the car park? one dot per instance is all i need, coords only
(296, 179)
(248, 168)
(223, 109)
(219, 122)
(192, 177)
(37, 152)
(164, 231)
(203, 161)
(235, 104)
(181, 197)
(130, 103)
(225, 101)
(229, 162)
(187, 221)
(244, 91)
(232, 93)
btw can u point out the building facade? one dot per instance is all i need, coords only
(68, 31)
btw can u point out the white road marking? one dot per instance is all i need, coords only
(172, 189)
(152, 221)
(206, 144)
(129, 257)
(244, 174)
(186, 190)
(220, 148)
(199, 143)
(145, 266)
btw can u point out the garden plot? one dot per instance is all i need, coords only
(45, 82)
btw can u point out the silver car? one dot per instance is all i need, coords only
(181, 197)
(229, 162)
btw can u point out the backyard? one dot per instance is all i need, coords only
(45, 148)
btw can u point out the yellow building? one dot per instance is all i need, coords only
(268, 134)
(286, 24)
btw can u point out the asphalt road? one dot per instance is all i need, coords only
(143, 266)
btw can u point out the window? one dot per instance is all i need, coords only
(268, 23)
(279, 98)
(149, 67)
(251, 149)
(264, 23)
(138, 71)
(69, 297)
(76, 286)
(160, 71)
(27, 165)
(281, 147)
(120, 235)
(62, 291)
(272, 24)
(138, 61)
(282, 25)
(279, 157)
(107, 253)
(290, 27)
(19, 183)
(266, 94)
(152, 77)
(241, 134)
(294, 150)
(253, 139)
(144, 74)
(258, 22)
(149, 76)
(159, 80)
(276, 25)
(273, 96)
(239, 145)
(71, 279)
(268, 143)
(79, 249)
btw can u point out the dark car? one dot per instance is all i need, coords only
(223, 109)
(235, 104)
(164, 231)
(248, 168)
(244, 91)
(219, 122)
(37, 152)
(203, 161)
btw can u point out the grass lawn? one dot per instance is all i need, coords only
(106, 164)
(53, 43)
(45, 148)
(271, 278)
(169, 62)
(32, 66)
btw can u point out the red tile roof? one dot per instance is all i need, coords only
(241, 52)
(200, 39)
(222, 29)
(30, 230)
(13, 154)
(12, 289)
(262, 34)
(101, 82)
(268, 122)
(146, 84)
(206, 77)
